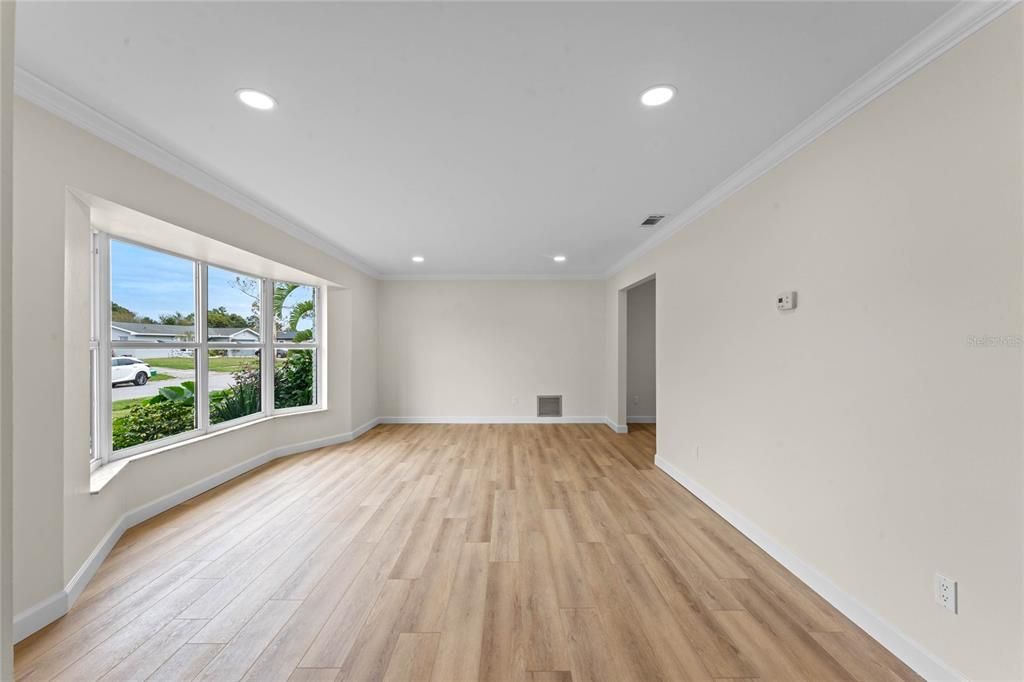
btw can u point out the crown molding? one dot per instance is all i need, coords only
(76, 112)
(411, 277)
(947, 31)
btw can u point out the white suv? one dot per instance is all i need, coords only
(124, 369)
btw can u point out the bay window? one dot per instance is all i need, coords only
(189, 348)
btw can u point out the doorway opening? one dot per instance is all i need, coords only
(641, 365)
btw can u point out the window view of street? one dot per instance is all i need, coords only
(161, 406)
(154, 345)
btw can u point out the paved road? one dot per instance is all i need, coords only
(218, 381)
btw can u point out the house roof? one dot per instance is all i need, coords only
(140, 329)
(229, 331)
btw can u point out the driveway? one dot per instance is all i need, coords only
(218, 381)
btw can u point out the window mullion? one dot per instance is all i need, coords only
(104, 429)
(267, 343)
(143, 344)
(202, 404)
(319, 359)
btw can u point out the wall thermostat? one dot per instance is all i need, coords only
(786, 301)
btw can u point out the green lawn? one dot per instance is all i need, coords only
(160, 377)
(217, 364)
(119, 408)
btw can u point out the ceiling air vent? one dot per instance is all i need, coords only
(652, 220)
(549, 406)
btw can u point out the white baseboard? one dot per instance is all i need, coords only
(641, 420)
(39, 615)
(492, 420)
(365, 427)
(617, 428)
(56, 605)
(922, 661)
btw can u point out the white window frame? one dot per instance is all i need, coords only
(271, 347)
(104, 348)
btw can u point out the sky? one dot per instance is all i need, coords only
(152, 284)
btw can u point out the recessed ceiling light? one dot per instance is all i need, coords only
(256, 99)
(418, 259)
(559, 259)
(658, 95)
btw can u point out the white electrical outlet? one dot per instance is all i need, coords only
(515, 402)
(785, 301)
(636, 400)
(945, 592)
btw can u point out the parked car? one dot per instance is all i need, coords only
(124, 369)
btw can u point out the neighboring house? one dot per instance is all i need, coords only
(169, 335)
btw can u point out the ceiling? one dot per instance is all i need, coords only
(487, 137)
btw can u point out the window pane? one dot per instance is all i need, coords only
(151, 395)
(234, 383)
(294, 377)
(234, 307)
(152, 296)
(294, 313)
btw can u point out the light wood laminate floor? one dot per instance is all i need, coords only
(451, 552)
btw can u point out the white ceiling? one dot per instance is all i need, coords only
(487, 137)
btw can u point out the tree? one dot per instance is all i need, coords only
(177, 318)
(220, 317)
(251, 288)
(291, 315)
(118, 313)
(296, 313)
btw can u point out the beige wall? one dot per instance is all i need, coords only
(57, 522)
(6, 394)
(641, 379)
(487, 349)
(863, 432)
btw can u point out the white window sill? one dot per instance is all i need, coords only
(103, 475)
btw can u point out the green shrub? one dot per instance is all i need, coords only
(172, 410)
(185, 393)
(151, 421)
(238, 400)
(293, 380)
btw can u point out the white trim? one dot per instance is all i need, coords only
(239, 421)
(38, 616)
(61, 104)
(641, 420)
(617, 428)
(201, 363)
(56, 605)
(492, 420)
(922, 661)
(365, 427)
(102, 446)
(418, 277)
(962, 20)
